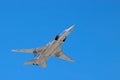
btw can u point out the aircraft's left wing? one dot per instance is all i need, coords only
(36, 50)
(63, 56)
(24, 50)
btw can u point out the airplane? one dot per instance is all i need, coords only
(51, 49)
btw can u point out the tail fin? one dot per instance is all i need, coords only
(35, 62)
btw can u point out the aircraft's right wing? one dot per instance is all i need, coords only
(63, 56)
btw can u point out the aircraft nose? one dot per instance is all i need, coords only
(71, 28)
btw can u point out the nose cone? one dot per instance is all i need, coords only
(67, 31)
(70, 29)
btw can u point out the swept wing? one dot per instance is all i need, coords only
(61, 55)
(32, 50)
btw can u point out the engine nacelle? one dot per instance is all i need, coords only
(64, 39)
(57, 37)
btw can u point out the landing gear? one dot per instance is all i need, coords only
(35, 64)
(35, 51)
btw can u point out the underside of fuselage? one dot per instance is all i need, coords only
(51, 49)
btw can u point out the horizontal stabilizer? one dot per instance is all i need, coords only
(30, 62)
(35, 62)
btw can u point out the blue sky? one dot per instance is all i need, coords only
(94, 44)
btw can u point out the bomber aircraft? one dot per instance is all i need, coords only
(51, 49)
